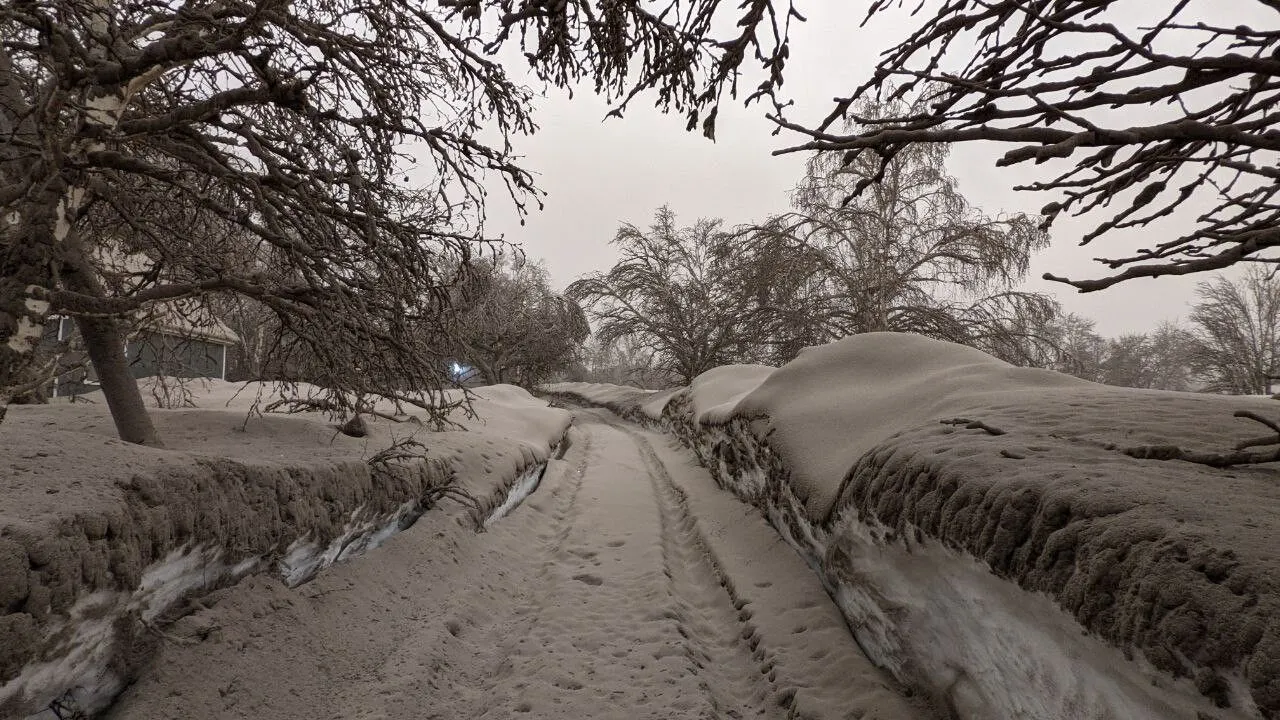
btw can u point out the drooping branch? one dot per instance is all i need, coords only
(982, 72)
(260, 150)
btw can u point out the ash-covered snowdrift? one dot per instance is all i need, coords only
(102, 543)
(1016, 564)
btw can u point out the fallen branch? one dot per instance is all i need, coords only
(1212, 459)
(1264, 440)
(400, 450)
(66, 708)
(973, 425)
(297, 405)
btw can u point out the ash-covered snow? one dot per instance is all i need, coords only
(939, 619)
(716, 393)
(100, 542)
(78, 669)
(1038, 573)
(305, 558)
(524, 486)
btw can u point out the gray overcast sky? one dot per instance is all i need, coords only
(600, 173)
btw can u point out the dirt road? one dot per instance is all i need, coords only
(628, 586)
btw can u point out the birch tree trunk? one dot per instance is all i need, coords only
(39, 249)
(24, 265)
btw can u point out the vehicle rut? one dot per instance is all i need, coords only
(723, 645)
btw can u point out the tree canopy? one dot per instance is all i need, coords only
(259, 149)
(1134, 116)
(1235, 336)
(511, 328)
(677, 294)
(910, 254)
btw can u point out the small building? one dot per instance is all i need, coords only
(168, 343)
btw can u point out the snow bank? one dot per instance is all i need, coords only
(715, 393)
(102, 543)
(1021, 567)
(622, 397)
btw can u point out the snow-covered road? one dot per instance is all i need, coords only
(627, 586)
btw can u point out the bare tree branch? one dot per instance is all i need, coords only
(985, 72)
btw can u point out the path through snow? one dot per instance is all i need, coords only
(628, 586)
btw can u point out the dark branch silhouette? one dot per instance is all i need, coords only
(999, 72)
(259, 150)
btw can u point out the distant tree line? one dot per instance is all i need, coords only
(905, 253)
(910, 255)
(255, 154)
(1231, 343)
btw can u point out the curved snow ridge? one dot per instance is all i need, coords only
(79, 669)
(83, 665)
(307, 557)
(941, 621)
(520, 481)
(1032, 571)
(83, 656)
(524, 485)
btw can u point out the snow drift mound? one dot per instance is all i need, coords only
(102, 543)
(835, 402)
(1019, 563)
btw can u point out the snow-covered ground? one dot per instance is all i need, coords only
(980, 529)
(100, 541)
(628, 587)
(1018, 563)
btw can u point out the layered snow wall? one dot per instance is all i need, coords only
(984, 536)
(102, 544)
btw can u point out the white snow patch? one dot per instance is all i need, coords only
(26, 336)
(62, 222)
(305, 558)
(181, 571)
(28, 333)
(83, 643)
(939, 619)
(522, 488)
(716, 392)
(82, 648)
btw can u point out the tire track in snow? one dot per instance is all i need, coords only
(723, 645)
(622, 590)
(565, 495)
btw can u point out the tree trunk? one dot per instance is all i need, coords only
(24, 264)
(106, 347)
(105, 344)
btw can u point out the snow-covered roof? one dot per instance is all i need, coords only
(187, 318)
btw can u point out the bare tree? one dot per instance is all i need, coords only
(1159, 360)
(1235, 345)
(675, 294)
(623, 362)
(1169, 347)
(1128, 362)
(910, 254)
(786, 283)
(1080, 350)
(258, 330)
(511, 327)
(1055, 79)
(289, 122)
